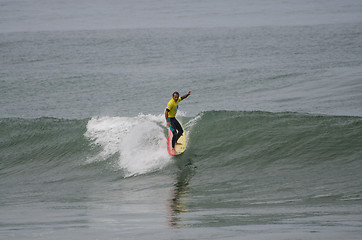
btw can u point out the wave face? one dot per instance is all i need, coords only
(263, 138)
(44, 143)
(239, 169)
(249, 138)
(252, 139)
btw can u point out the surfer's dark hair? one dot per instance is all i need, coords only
(173, 94)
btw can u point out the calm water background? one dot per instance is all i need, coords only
(274, 120)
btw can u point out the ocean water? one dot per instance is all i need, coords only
(274, 121)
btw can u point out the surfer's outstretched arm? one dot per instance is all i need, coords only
(186, 95)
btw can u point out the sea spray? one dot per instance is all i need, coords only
(138, 141)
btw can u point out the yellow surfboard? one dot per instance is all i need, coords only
(180, 145)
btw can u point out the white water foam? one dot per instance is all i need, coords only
(139, 141)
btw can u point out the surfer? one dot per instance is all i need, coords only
(170, 115)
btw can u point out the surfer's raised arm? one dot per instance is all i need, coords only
(186, 95)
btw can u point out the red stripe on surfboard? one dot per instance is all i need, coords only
(169, 143)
